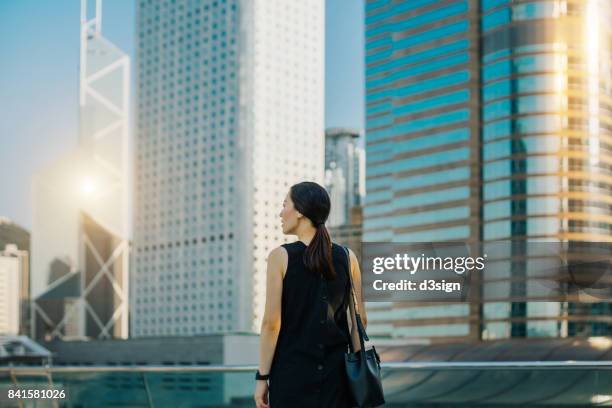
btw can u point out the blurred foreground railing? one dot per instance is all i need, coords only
(411, 383)
(395, 365)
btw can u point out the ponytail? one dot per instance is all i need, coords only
(318, 254)
(313, 202)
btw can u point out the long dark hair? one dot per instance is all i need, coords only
(312, 201)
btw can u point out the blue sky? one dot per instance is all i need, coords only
(39, 44)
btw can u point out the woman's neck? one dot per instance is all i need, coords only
(307, 235)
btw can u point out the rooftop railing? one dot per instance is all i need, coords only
(473, 384)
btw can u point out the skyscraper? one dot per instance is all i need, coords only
(230, 115)
(81, 220)
(488, 121)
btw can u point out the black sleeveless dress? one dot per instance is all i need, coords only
(308, 365)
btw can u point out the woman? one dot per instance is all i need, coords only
(304, 332)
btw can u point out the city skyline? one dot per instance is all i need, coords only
(149, 168)
(43, 74)
(464, 143)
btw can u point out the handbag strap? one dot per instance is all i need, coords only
(360, 329)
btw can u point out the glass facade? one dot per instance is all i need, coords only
(489, 121)
(546, 116)
(82, 203)
(420, 126)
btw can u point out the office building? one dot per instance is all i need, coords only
(81, 220)
(489, 121)
(229, 116)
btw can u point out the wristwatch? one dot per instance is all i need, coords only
(259, 376)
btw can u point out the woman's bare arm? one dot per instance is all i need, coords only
(356, 274)
(271, 323)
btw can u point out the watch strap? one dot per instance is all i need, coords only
(259, 376)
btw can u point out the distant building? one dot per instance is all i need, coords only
(15, 244)
(345, 183)
(81, 220)
(164, 350)
(14, 291)
(344, 173)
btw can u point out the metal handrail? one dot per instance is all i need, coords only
(396, 365)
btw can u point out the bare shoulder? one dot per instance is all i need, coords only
(278, 258)
(278, 255)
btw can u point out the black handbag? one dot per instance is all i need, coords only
(363, 366)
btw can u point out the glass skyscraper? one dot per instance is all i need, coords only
(81, 205)
(488, 121)
(230, 115)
